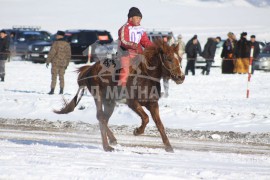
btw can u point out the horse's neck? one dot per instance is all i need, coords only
(154, 68)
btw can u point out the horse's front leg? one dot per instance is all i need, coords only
(136, 107)
(154, 110)
(103, 126)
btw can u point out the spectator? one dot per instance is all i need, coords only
(227, 54)
(182, 45)
(193, 47)
(242, 54)
(132, 38)
(170, 40)
(256, 51)
(209, 52)
(4, 53)
(59, 56)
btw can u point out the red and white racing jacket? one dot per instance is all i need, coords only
(133, 38)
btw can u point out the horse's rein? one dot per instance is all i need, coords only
(170, 70)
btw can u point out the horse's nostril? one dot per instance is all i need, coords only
(183, 77)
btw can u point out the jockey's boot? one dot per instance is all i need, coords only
(3, 79)
(51, 92)
(61, 91)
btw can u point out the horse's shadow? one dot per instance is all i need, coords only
(34, 92)
(24, 91)
(50, 143)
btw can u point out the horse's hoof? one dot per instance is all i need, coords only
(137, 132)
(113, 142)
(169, 149)
(108, 149)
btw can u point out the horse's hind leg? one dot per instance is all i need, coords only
(154, 110)
(103, 126)
(108, 110)
(136, 107)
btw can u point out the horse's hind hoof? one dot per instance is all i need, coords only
(169, 149)
(108, 149)
(137, 132)
(114, 142)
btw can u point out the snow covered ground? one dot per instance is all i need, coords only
(216, 102)
(69, 155)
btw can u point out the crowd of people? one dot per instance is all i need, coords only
(235, 53)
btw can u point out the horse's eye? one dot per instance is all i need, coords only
(170, 60)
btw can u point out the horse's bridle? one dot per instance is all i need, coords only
(163, 64)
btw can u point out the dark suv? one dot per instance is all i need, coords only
(38, 51)
(80, 40)
(27, 39)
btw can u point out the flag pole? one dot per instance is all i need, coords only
(250, 69)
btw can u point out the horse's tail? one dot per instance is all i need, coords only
(70, 106)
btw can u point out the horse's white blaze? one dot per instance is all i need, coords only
(177, 57)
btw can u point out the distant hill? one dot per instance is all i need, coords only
(257, 3)
(222, 3)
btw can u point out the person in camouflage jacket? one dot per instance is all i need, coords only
(59, 56)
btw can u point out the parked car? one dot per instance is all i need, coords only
(217, 59)
(263, 62)
(155, 34)
(26, 38)
(80, 40)
(38, 52)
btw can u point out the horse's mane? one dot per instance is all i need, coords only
(153, 50)
(151, 54)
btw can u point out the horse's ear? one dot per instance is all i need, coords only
(176, 47)
(160, 50)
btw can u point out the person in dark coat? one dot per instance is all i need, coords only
(4, 53)
(242, 54)
(193, 47)
(227, 54)
(209, 52)
(256, 52)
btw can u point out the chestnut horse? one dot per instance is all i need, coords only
(142, 89)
